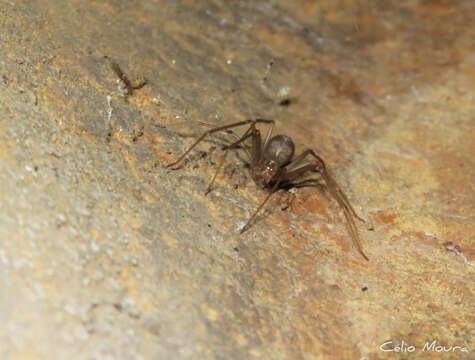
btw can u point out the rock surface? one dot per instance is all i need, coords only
(105, 253)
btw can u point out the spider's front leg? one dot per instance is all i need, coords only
(250, 132)
(209, 132)
(216, 129)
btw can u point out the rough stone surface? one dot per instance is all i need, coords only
(105, 253)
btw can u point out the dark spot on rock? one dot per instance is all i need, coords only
(285, 102)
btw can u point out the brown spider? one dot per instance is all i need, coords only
(273, 166)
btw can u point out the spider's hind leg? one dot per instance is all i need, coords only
(348, 210)
(320, 167)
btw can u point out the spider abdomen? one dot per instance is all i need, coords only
(280, 150)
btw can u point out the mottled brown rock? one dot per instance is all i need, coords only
(105, 253)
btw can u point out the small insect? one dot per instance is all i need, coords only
(274, 167)
(125, 86)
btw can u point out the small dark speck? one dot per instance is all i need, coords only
(118, 307)
(285, 102)
(209, 225)
(364, 288)
(236, 249)
(35, 168)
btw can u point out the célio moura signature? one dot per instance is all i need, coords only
(433, 346)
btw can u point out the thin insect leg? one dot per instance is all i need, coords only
(245, 136)
(274, 188)
(220, 128)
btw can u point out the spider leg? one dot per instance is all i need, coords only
(245, 136)
(269, 134)
(274, 189)
(256, 147)
(233, 134)
(220, 128)
(288, 176)
(328, 179)
(337, 193)
(304, 183)
(297, 160)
